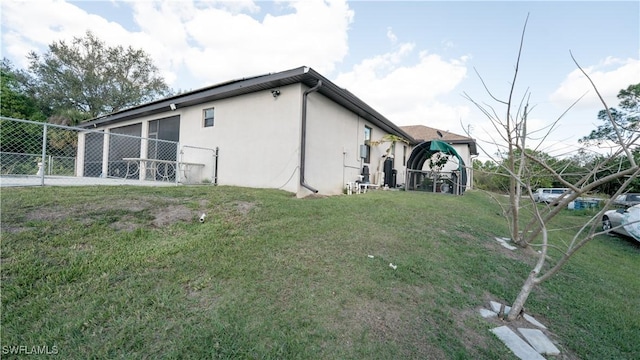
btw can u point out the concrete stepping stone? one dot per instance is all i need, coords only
(515, 343)
(539, 341)
(487, 313)
(533, 321)
(495, 306)
(503, 242)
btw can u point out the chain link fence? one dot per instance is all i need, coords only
(36, 153)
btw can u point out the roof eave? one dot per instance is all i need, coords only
(304, 75)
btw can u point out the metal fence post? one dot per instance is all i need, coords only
(215, 169)
(41, 166)
(178, 160)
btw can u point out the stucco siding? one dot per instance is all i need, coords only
(334, 136)
(331, 143)
(258, 136)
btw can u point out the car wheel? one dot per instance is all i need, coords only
(606, 224)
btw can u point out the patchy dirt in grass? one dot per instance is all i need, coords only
(233, 213)
(244, 207)
(202, 292)
(124, 226)
(126, 215)
(383, 322)
(14, 229)
(56, 213)
(172, 214)
(528, 255)
(130, 214)
(315, 196)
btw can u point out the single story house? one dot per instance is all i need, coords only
(293, 130)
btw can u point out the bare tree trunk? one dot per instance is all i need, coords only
(515, 212)
(532, 280)
(513, 131)
(522, 297)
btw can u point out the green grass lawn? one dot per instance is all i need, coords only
(130, 272)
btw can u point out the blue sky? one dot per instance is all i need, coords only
(412, 61)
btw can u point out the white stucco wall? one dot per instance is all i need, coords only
(334, 136)
(258, 137)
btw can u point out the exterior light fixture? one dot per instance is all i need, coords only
(172, 106)
(275, 93)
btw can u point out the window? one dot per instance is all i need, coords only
(367, 144)
(208, 117)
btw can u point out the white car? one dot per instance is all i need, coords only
(548, 195)
(626, 200)
(623, 221)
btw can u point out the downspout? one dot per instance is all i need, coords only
(472, 157)
(303, 136)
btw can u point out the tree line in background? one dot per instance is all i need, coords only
(493, 176)
(79, 80)
(70, 83)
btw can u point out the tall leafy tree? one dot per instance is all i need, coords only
(17, 102)
(626, 117)
(624, 129)
(88, 76)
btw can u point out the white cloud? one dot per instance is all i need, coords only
(216, 41)
(447, 44)
(210, 41)
(33, 25)
(391, 36)
(610, 76)
(235, 6)
(406, 88)
(236, 45)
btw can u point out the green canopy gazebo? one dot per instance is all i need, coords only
(417, 177)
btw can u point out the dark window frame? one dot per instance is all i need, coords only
(208, 121)
(367, 142)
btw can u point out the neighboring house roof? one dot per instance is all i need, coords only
(424, 133)
(304, 75)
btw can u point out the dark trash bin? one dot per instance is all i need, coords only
(365, 174)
